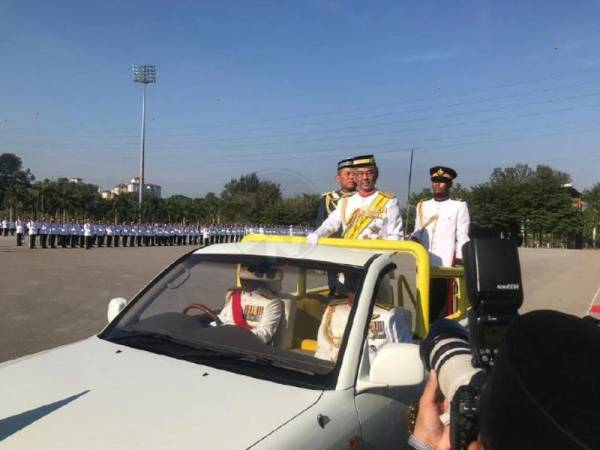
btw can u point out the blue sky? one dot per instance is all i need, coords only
(287, 88)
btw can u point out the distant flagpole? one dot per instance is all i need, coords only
(412, 150)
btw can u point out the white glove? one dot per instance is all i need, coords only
(312, 239)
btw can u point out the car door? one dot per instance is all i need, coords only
(382, 410)
(382, 414)
(331, 423)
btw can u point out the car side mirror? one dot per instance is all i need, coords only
(397, 365)
(115, 306)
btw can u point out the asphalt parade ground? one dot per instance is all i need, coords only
(51, 297)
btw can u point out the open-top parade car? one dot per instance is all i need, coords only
(175, 368)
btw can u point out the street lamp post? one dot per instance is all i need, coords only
(143, 73)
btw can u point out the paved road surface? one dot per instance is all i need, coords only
(56, 296)
(53, 297)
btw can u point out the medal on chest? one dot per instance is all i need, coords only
(253, 313)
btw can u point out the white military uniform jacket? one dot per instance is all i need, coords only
(387, 326)
(387, 224)
(262, 309)
(442, 228)
(33, 227)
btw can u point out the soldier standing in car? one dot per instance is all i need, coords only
(442, 227)
(329, 201)
(367, 214)
(442, 224)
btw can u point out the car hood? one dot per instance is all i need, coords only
(98, 395)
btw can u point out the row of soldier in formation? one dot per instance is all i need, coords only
(87, 234)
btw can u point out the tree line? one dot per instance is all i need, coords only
(537, 207)
(531, 205)
(244, 200)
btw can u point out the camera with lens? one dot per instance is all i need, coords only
(463, 357)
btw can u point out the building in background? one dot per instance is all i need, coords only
(133, 187)
(105, 194)
(119, 189)
(150, 190)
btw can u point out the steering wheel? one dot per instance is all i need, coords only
(205, 309)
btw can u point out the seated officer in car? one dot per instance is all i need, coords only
(255, 306)
(387, 325)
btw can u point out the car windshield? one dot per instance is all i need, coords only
(248, 314)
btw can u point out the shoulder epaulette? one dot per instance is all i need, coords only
(387, 194)
(385, 306)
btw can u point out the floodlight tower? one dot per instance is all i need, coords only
(143, 73)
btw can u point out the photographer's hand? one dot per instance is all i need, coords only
(429, 429)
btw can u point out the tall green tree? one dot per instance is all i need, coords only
(520, 200)
(502, 202)
(12, 174)
(591, 214)
(249, 199)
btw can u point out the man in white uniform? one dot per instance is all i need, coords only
(44, 230)
(256, 306)
(387, 325)
(63, 234)
(20, 228)
(53, 231)
(32, 227)
(442, 226)
(368, 214)
(329, 201)
(88, 230)
(100, 232)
